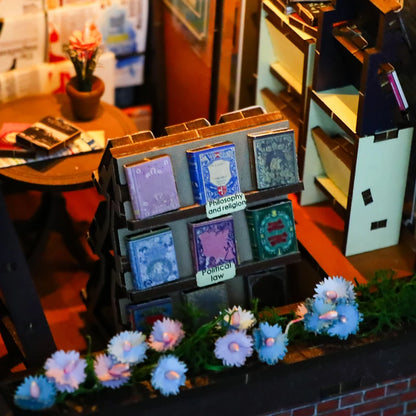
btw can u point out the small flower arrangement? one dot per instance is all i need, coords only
(83, 49)
(227, 341)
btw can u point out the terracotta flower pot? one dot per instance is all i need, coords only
(85, 104)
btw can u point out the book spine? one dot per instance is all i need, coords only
(133, 191)
(252, 226)
(134, 266)
(252, 160)
(192, 242)
(196, 178)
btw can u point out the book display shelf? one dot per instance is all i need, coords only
(355, 147)
(285, 60)
(115, 222)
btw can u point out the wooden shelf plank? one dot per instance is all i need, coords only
(189, 283)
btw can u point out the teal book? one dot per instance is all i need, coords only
(272, 230)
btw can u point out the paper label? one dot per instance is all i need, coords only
(226, 205)
(215, 274)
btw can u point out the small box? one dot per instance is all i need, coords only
(152, 258)
(213, 242)
(273, 158)
(272, 230)
(213, 171)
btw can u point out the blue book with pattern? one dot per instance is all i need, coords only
(273, 158)
(213, 171)
(152, 258)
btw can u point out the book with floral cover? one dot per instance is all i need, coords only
(152, 258)
(213, 242)
(273, 158)
(152, 186)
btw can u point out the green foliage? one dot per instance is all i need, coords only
(386, 302)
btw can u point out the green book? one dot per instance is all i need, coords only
(272, 230)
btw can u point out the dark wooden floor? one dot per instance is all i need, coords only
(57, 275)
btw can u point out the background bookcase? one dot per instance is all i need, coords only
(111, 280)
(285, 61)
(349, 98)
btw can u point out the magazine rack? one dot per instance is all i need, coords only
(114, 220)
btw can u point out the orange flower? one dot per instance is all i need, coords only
(86, 41)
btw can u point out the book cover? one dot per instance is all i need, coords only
(208, 300)
(152, 258)
(213, 242)
(273, 158)
(272, 230)
(47, 135)
(152, 186)
(213, 171)
(8, 145)
(143, 315)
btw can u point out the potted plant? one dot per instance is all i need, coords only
(84, 89)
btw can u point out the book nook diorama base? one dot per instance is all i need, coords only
(202, 202)
(342, 335)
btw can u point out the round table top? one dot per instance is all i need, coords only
(68, 173)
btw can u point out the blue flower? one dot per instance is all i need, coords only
(66, 369)
(111, 373)
(169, 375)
(35, 393)
(238, 319)
(233, 348)
(166, 335)
(128, 347)
(347, 322)
(333, 288)
(270, 343)
(319, 316)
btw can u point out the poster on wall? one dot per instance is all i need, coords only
(123, 25)
(22, 48)
(20, 7)
(193, 14)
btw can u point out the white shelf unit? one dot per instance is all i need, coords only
(347, 98)
(380, 165)
(285, 58)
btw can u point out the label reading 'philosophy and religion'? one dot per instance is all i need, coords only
(226, 205)
(215, 274)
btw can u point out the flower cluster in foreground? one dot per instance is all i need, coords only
(333, 310)
(232, 337)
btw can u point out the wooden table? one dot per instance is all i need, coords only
(65, 174)
(51, 177)
(54, 176)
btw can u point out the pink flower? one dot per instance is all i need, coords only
(110, 372)
(88, 40)
(166, 335)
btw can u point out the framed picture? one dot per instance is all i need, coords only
(193, 14)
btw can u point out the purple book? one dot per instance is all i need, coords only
(152, 186)
(213, 242)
